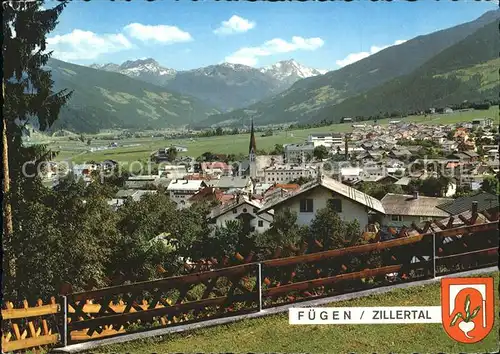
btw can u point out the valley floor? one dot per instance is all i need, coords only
(136, 149)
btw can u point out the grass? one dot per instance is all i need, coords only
(274, 334)
(488, 71)
(226, 144)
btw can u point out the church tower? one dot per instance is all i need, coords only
(252, 151)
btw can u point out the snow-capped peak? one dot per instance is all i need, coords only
(290, 69)
(137, 67)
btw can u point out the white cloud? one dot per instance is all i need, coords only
(158, 33)
(85, 45)
(235, 24)
(354, 57)
(250, 55)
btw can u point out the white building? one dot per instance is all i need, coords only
(287, 173)
(349, 203)
(174, 171)
(350, 174)
(493, 154)
(181, 189)
(243, 209)
(297, 153)
(331, 140)
(482, 123)
(181, 148)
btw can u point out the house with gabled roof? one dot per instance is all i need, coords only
(181, 190)
(216, 168)
(349, 203)
(244, 209)
(405, 210)
(400, 154)
(484, 202)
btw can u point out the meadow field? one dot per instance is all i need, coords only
(139, 149)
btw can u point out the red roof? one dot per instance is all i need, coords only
(195, 177)
(225, 198)
(452, 164)
(216, 164)
(288, 186)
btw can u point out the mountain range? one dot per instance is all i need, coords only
(105, 100)
(225, 86)
(442, 68)
(305, 100)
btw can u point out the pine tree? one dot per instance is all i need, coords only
(28, 97)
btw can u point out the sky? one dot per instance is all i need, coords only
(186, 34)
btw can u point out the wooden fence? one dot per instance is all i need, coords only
(30, 327)
(441, 249)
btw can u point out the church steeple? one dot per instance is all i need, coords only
(253, 147)
(252, 151)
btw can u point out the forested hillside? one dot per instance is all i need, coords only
(466, 71)
(104, 100)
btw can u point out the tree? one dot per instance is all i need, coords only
(27, 93)
(378, 190)
(283, 232)
(491, 185)
(463, 191)
(320, 152)
(171, 153)
(89, 141)
(432, 186)
(278, 150)
(66, 234)
(302, 180)
(140, 223)
(330, 230)
(207, 157)
(222, 242)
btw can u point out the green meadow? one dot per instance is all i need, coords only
(141, 148)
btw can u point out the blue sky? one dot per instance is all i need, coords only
(185, 35)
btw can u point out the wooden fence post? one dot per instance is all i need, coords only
(433, 254)
(259, 284)
(64, 310)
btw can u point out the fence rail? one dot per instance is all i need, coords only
(251, 287)
(29, 327)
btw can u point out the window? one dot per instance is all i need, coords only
(335, 205)
(397, 217)
(261, 223)
(252, 229)
(244, 210)
(235, 211)
(306, 205)
(255, 210)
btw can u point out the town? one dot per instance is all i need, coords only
(385, 177)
